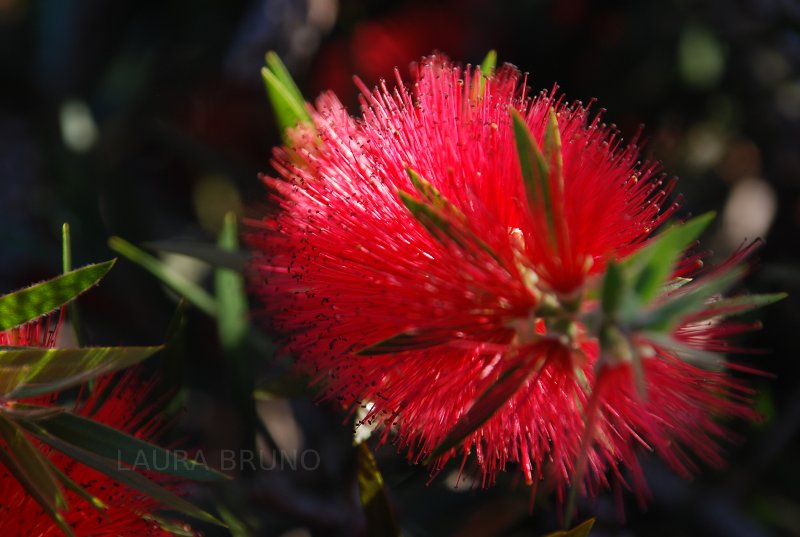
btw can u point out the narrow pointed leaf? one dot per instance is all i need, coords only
(184, 287)
(233, 319)
(378, 512)
(39, 478)
(487, 70)
(68, 483)
(110, 443)
(208, 253)
(287, 102)
(738, 304)
(668, 315)
(51, 370)
(443, 227)
(613, 288)
(432, 196)
(489, 63)
(581, 530)
(19, 475)
(535, 172)
(126, 476)
(32, 302)
(415, 339)
(487, 404)
(654, 264)
(72, 308)
(552, 152)
(233, 326)
(278, 68)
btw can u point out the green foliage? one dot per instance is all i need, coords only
(581, 530)
(42, 298)
(126, 476)
(184, 287)
(372, 493)
(285, 97)
(540, 170)
(39, 371)
(110, 443)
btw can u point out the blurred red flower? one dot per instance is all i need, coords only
(451, 293)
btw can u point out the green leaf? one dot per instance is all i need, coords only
(378, 512)
(184, 287)
(42, 298)
(233, 320)
(123, 475)
(208, 253)
(738, 304)
(36, 470)
(444, 227)
(49, 370)
(233, 326)
(581, 530)
(409, 340)
(535, 171)
(489, 402)
(691, 299)
(72, 308)
(653, 265)
(432, 196)
(552, 151)
(94, 501)
(487, 70)
(613, 288)
(20, 476)
(489, 63)
(285, 97)
(110, 443)
(279, 70)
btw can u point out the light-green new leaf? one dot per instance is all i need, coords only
(285, 97)
(42, 298)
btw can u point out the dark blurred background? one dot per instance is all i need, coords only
(147, 119)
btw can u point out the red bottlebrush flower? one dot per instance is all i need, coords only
(414, 266)
(116, 401)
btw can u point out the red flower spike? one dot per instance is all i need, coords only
(115, 401)
(426, 254)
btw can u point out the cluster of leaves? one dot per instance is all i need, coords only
(27, 372)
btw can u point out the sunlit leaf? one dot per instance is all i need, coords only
(581, 530)
(184, 287)
(285, 97)
(378, 512)
(653, 265)
(27, 304)
(445, 226)
(50, 370)
(489, 63)
(690, 299)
